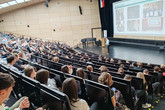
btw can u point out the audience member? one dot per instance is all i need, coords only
(67, 69)
(106, 78)
(30, 72)
(143, 94)
(145, 71)
(43, 77)
(121, 71)
(56, 59)
(11, 61)
(139, 66)
(70, 88)
(103, 69)
(133, 92)
(80, 72)
(6, 85)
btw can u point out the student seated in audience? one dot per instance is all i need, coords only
(30, 72)
(67, 69)
(106, 60)
(119, 62)
(56, 59)
(43, 77)
(89, 62)
(11, 61)
(122, 66)
(160, 77)
(133, 92)
(121, 71)
(103, 69)
(6, 86)
(18, 64)
(146, 72)
(112, 60)
(157, 70)
(100, 58)
(144, 92)
(90, 69)
(80, 72)
(106, 78)
(139, 66)
(70, 88)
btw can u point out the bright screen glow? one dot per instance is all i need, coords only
(139, 17)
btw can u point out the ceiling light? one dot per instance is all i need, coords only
(19, 1)
(4, 5)
(27, 0)
(12, 3)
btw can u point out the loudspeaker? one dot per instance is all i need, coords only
(80, 10)
(46, 4)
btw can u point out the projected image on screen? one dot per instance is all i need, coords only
(133, 12)
(120, 26)
(154, 9)
(133, 25)
(139, 17)
(120, 14)
(153, 24)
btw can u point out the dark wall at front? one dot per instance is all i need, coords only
(106, 17)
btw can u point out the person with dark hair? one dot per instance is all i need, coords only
(139, 66)
(80, 72)
(30, 72)
(106, 79)
(70, 88)
(157, 70)
(11, 61)
(121, 71)
(145, 71)
(160, 79)
(6, 84)
(133, 92)
(18, 63)
(43, 77)
(67, 69)
(89, 70)
(143, 94)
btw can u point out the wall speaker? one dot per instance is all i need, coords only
(80, 9)
(46, 4)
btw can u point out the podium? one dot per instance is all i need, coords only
(103, 40)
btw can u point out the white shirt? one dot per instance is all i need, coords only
(3, 108)
(107, 42)
(80, 105)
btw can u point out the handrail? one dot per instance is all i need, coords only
(26, 36)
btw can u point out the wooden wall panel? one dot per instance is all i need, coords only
(61, 15)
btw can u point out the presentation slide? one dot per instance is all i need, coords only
(139, 17)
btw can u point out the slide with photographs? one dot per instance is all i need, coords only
(139, 17)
